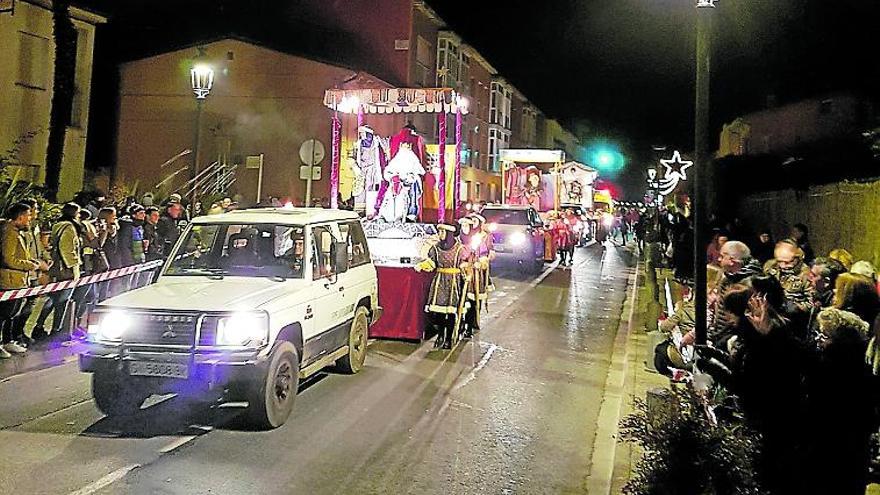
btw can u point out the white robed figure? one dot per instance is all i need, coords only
(404, 176)
(371, 153)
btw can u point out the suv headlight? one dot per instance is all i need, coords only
(518, 238)
(243, 330)
(109, 326)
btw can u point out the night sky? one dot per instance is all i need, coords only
(618, 70)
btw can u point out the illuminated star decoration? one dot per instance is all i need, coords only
(675, 174)
(443, 72)
(706, 3)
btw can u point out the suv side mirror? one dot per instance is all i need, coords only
(340, 257)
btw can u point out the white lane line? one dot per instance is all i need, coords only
(482, 364)
(176, 444)
(106, 480)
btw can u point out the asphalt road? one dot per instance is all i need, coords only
(513, 411)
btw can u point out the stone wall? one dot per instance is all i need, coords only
(844, 214)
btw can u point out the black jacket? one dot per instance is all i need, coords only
(167, 233)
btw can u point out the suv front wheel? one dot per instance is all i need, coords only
(357, 343)
(271, 400)
(115, 397)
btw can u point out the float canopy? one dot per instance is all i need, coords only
(532, 156)
(396, 100)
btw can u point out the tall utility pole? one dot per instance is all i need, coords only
(703, 160)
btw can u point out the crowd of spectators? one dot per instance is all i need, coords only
(796, 339)
(88, 237)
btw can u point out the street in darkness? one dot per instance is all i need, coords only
(512, 411)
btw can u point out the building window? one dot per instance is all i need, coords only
(453, 65)
(498, 140)
(425, 76)
(33, 61)
(493, 148)
(500, 105)
(478, 192)
(493, 193)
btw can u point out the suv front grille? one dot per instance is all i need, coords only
(162, 330)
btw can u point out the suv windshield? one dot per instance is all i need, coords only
(506, 217)
(245, 250)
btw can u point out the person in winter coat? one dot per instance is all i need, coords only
(32, 238)
(168, 229)
(67, 260)
(131, 236)
(768, 364)
(151, 236)
(15, 272)
(789, 268)
(842, 399)
(856, 293)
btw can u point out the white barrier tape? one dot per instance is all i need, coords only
(10, 295)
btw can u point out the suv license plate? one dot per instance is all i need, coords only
(165, 370)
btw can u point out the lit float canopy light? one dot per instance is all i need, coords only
(532, 156)
(396, 100)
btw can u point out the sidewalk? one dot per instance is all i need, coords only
(44, 355)
(641, 376)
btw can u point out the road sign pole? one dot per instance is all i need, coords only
(309, 180)
(260, 180)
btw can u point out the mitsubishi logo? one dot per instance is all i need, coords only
(169, 333)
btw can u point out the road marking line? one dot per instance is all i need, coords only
(106, 480)
(482, 364)
(176, 444)
(601, 475)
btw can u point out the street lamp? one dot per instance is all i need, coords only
(701, 165)
(202, 80)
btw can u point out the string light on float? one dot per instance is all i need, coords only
(348, 104)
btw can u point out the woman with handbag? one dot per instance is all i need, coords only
(67, 258)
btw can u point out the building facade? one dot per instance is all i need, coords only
(403, 42)
(784, 128)
(408, 44)
(26, 83)
(263, 102)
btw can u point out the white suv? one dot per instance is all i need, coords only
(248, 303)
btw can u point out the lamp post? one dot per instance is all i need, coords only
(701, 165)
(202, 80)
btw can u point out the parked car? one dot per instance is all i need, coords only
(249, 303)
(518, 235)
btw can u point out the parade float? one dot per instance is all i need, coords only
(542, 179)
(397, 186)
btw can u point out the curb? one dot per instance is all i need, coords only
(601, 476)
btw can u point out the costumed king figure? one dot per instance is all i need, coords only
(404, 176)
(445, 304)
(481, 252)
